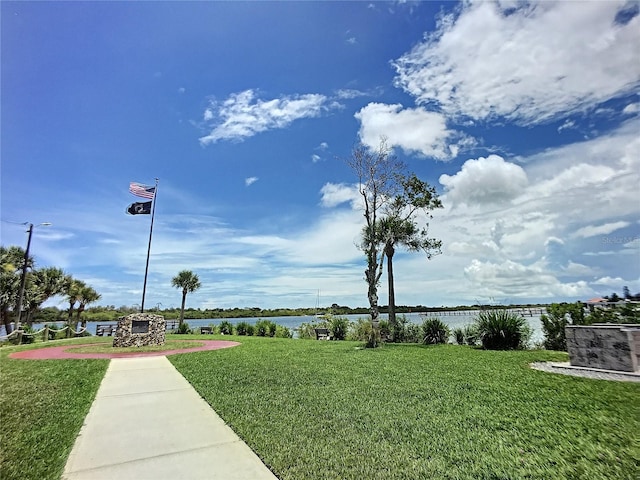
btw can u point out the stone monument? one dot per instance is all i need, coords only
(606, 346)
(139, 329)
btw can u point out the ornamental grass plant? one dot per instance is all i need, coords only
(502, 330)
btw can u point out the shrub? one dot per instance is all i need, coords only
(434, 331)
(471, 335)
(458, 334)
(265, 328)
(385, 330)
(272, 329)
(558, 316)
(226, 328)
(372, 336)
(358, 330)
(283, 332)
(307, 330)
(339, 326)
(502, 330)
(363, 331)
(412, 333)
(402, 331)
(553, 330)
(242, 328)
(183, 329)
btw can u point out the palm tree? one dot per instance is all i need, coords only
(72, 289)
(45, 283)
(188, 282)
(395, 231)
(86, 296)
(400, 228)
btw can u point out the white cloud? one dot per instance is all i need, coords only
(322, 146)
(522, 248)
(488, 180)
(530, 63)
(415, 130)
(567, 124)
(595, 230)
(348, 93)
(352, 40)
(335, 194)
(243, 115)
(526, 246)
(631, 109)
(609, 281)
(575, 177)
(516, 280)
(250, 181)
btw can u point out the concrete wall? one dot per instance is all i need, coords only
(605, 346)
(124, 337)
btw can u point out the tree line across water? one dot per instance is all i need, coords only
(112, 313)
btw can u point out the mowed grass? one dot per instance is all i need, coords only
(327, 410)
(42, 406)
(315, 410)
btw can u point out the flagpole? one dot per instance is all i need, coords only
(146, 270)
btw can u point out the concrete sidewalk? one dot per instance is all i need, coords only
(147, 422)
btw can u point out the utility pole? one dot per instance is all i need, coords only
(24, 273)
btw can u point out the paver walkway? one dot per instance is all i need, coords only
(147, 422)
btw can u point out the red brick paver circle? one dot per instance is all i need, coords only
(66, 351)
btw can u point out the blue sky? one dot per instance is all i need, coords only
(525, 117)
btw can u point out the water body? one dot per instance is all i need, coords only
(459, 320)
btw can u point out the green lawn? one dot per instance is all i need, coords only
(315, 410)
(42, 406)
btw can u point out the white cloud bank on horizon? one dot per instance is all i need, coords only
(529, 62)
(535, 242)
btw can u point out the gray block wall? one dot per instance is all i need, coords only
(604, 346)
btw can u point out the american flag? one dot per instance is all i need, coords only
(143, 191)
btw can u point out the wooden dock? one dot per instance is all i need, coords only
(525, 312)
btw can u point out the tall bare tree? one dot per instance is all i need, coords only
(377, 172)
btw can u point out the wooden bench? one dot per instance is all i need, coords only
(105, 329)
(322, 334)
(206, 330)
